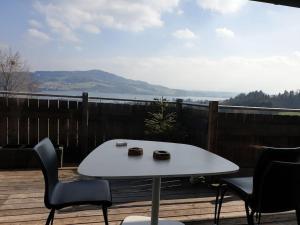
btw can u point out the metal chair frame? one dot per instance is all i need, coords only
(46, 154)
(270, 161)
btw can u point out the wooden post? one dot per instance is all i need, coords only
(212, 126)
(84, 125)
(179, 110)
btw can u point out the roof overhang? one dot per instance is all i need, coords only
(292, 3)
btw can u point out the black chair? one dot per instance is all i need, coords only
(272, 187)
(59, 195)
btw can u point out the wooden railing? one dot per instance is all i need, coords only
(81, 123)
(28, 118)
(78, 123)
(235, 131)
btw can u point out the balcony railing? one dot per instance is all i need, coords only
(80, 123)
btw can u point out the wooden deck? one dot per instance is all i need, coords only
(21, 202)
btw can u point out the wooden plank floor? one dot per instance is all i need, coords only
(21, 202)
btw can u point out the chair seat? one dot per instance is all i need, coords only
(243, 186)
(81, 192)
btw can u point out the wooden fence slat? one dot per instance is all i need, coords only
(99, 121)
(63, 123)
(23, 121)
(43, 115)
(53, 121)
(3, 121)
(84, 124)
(196, 124)
(73, 122)
(33, 121)
(92, 128)
(137, 115)
(72, 151)
(13, 120)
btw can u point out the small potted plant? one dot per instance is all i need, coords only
(161, 124)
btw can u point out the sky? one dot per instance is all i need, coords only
(216, 45)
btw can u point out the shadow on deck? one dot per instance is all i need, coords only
(21, 202)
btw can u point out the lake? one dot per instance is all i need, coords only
(137, 97)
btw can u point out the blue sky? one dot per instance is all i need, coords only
(221, 45)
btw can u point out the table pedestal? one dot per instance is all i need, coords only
(154, 220)
(144, 220)
(156, 182)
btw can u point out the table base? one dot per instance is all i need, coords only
(143, 220)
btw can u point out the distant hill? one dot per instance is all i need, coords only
(287, 99)
(104, 82)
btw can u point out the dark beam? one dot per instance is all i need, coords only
(292, 3)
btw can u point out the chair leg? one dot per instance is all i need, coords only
(50, 217)
(104, 209)
(249, 214)
(218, 205)
(298, 216)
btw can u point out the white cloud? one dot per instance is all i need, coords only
(225, 32)
(78, 48)
(35, 24)
(222, 6)
(228, 74)
(180, 12)
(189, 44)
(91, 28)
(60, 28)
(3, 46)
(66, 17)
(184, 34)
(297, 53)
(32, 32)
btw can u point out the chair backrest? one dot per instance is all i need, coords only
(48, 159)
(272, 185)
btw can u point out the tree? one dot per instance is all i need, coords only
(14, 73)
(254, 98)
(160, 124)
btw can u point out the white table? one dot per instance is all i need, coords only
(110, 161)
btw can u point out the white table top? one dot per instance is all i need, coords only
(110, 161)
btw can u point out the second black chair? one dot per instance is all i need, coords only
(59, 194)
(273, 188)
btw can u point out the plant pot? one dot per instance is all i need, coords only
(19, 156)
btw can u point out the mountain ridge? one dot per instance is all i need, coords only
(106, 82)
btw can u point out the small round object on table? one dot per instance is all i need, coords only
(135, 151)
(121, 144)
(161, 155)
